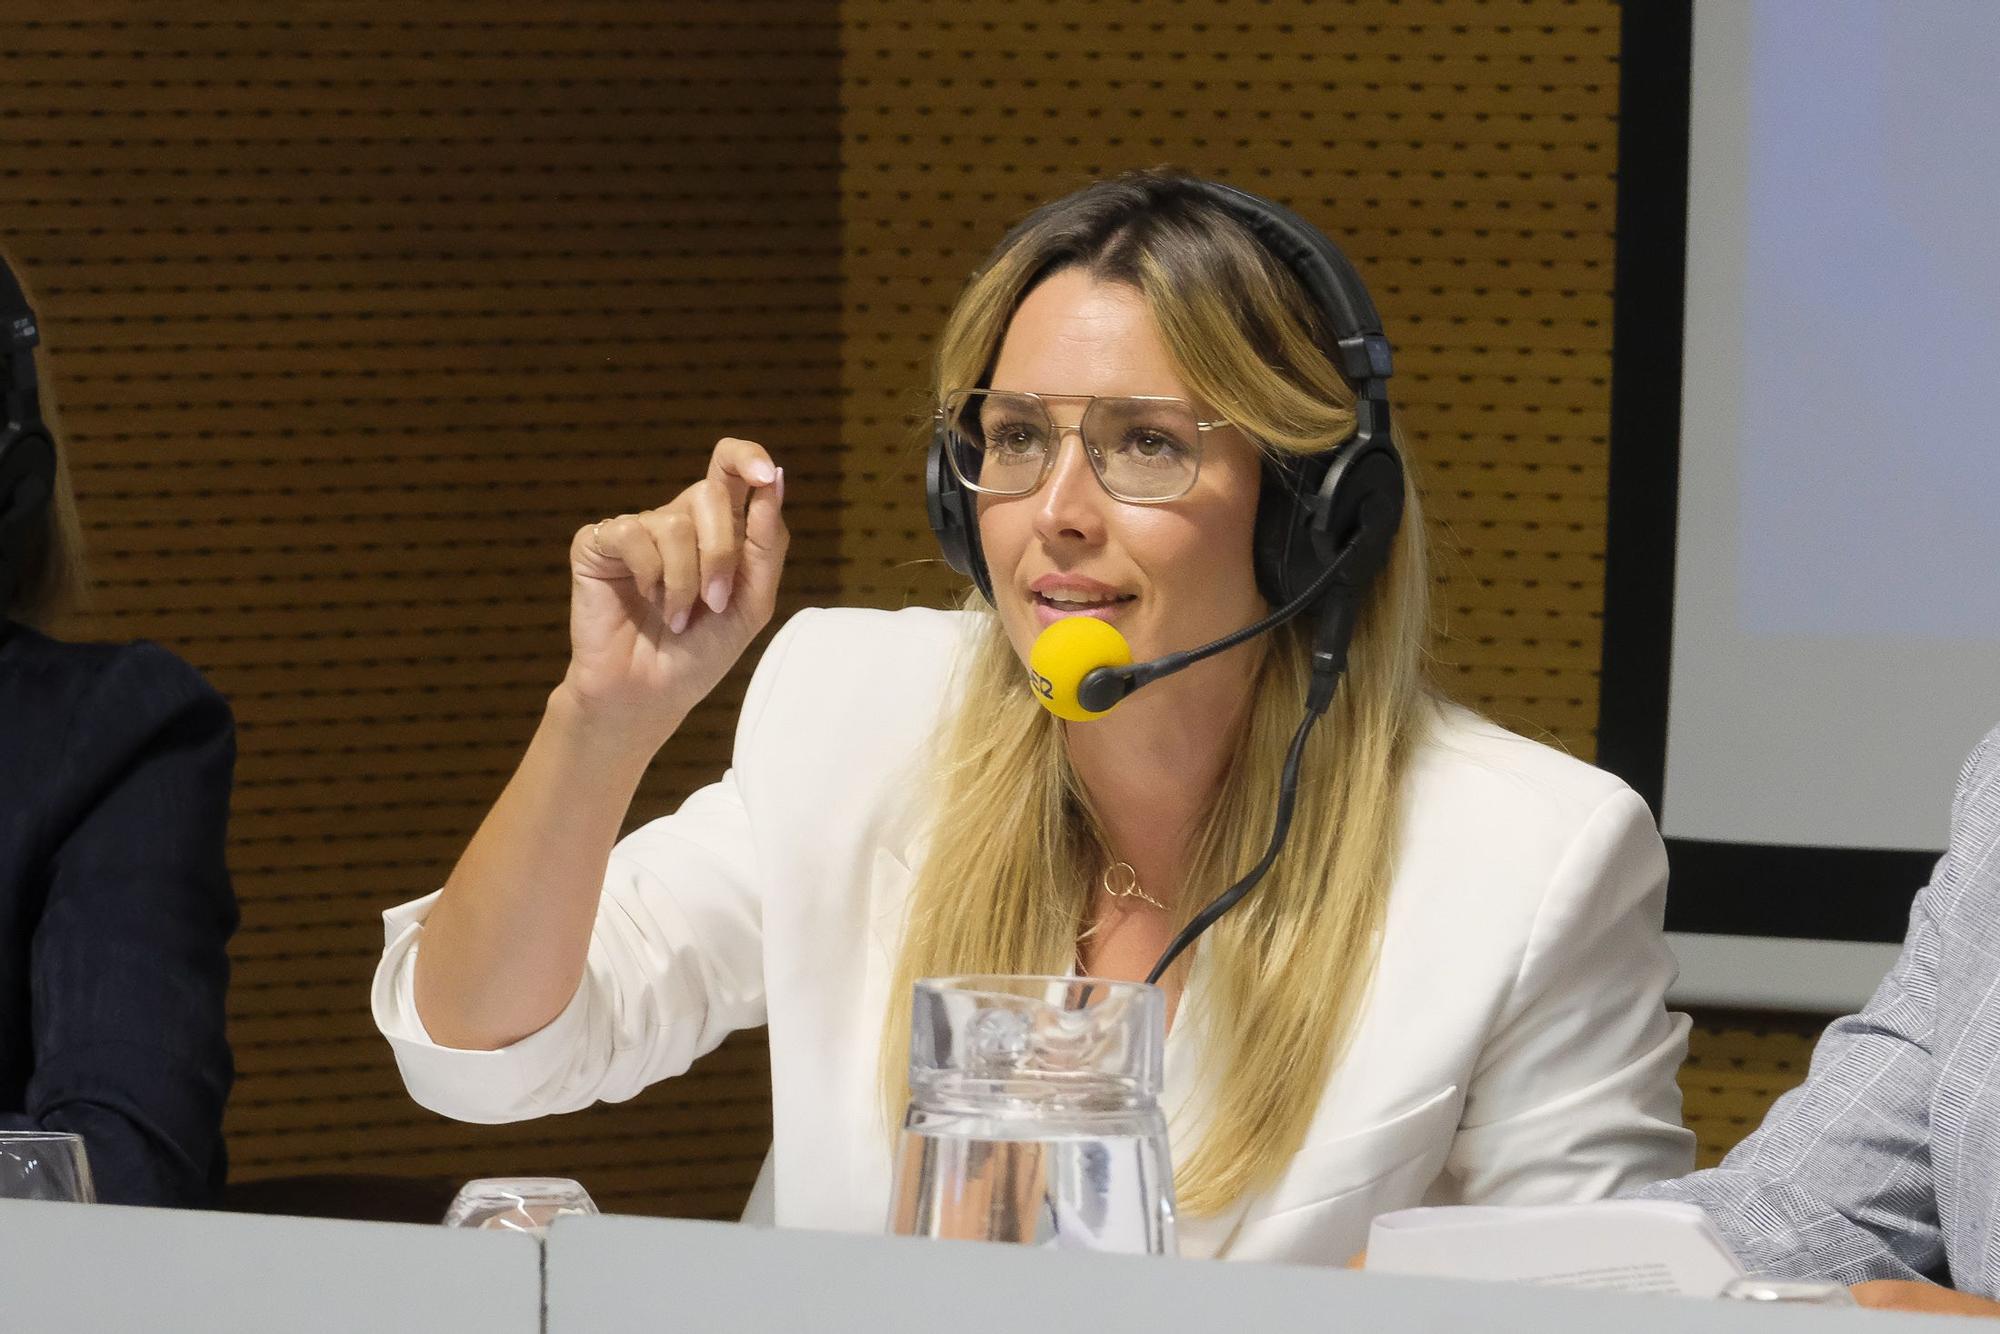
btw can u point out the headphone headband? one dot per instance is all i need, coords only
(1328, 277)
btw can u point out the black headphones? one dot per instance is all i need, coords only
(1340, 506)
(27, 454)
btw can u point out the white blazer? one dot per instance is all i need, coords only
(1513, 1047)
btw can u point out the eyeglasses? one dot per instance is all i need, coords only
(1143, 450)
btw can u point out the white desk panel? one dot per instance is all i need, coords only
(166, 1271)
(662, 1276)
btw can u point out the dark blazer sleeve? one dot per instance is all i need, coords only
(128, 962)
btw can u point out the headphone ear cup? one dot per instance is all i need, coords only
(1283, 550)
(27, 478)
(954, 517)
(1313, 508)
(27, 483)
(1361, 509)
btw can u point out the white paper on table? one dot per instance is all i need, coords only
(1620, 1245)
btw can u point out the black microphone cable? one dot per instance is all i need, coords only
(1329, 661)
(1103, 687)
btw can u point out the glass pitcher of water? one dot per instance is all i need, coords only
(1035, 1115)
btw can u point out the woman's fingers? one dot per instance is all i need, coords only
(724, 530)
(673, 536)
(736, 515)
(766, 539)
(617, 548)
(737, 469)
(718, 526)
(740, 465)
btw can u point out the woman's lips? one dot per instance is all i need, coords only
(1049, 610)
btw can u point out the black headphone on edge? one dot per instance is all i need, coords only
(27, 454)
(1341, 505)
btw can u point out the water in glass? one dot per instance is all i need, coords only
(1034, 1115)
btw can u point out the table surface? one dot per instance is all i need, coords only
(165, 1271)
(608, 1275)
(66, 1266)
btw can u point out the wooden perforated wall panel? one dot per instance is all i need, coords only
(1462, 151)
(1738, 1064)
(356, 311)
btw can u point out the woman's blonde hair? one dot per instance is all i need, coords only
(1004, 886)
(51, 578)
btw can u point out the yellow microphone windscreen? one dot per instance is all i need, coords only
(1064, 654)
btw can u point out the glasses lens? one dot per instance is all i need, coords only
(999, 442)
(1146, 448)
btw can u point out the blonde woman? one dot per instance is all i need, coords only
(1447, 989)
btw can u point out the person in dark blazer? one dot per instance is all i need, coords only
(115, 902)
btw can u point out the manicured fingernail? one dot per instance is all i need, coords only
(781, 486)
(717, 596)
(680, 621)
(761, 472)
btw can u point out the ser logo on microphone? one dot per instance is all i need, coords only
(1041, 685)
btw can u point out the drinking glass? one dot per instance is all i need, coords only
(44, 1165)
(1791, 1291)
(517, 1204)
(1034, 1115)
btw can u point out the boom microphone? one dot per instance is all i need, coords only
(1081, 667)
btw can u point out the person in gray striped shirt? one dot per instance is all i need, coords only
(1882, 1170)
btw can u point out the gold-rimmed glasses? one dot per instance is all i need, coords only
(1143, 450)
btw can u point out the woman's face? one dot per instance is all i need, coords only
(1169, 576)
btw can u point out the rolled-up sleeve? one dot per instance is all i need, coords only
(512, 1083)
(675, 965)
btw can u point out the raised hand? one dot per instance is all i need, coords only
(662, 603)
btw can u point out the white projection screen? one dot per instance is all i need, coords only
(1835, 592)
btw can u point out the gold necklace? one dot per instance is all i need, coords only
(1120, 881)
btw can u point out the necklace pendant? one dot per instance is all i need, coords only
(1120, 881)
